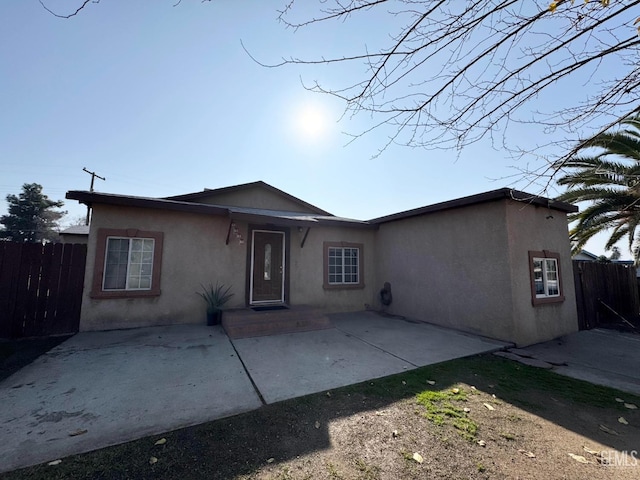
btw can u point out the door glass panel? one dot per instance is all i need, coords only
(267, 261)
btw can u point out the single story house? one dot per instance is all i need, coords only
(585, 256)
(75, 234)
(496, 264)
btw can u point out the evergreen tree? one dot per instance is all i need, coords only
(31, 216)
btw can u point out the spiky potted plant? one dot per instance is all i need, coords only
(215, 297)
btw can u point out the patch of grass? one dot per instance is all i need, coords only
(481, 468)
(466, 427)
(510, 381)
(513, 381)
(395, 387)
(440, 410)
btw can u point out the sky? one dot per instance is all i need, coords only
(163, 99)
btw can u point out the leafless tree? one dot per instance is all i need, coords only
(455, 72)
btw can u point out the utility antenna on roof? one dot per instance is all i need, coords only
(93, 177)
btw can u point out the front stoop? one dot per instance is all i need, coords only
(247, 323)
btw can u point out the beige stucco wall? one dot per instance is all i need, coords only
(450, 268)
(307, 272)
(195, 253)
(468, 268)
(537, 228)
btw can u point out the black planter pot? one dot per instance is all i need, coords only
(214, 318)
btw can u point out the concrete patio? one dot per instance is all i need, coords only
(603, 357)
(102, 388)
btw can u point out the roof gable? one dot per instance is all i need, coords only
(259, 215)
(251, 195)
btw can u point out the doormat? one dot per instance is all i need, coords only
(265, 308)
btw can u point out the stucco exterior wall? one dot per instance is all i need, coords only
(535, 228)
(307, 272)
(468, 268)
(450, 268)
(465, 268)
(195, 253)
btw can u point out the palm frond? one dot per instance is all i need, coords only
(608, 178)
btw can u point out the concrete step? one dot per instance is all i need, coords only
(245, 323)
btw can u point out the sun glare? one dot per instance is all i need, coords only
(311, 122)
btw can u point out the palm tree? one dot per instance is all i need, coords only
(610, 180)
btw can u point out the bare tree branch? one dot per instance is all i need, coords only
(84, 4)
(452, 73)
(455, 72)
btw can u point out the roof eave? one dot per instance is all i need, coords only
(89, 198)
(293, 222)
(494, 195)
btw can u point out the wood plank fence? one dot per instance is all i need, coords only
(605, 293)
(40, 288)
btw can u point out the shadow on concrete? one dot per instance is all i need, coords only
(285, 367)
(17, 354)
(240, 445)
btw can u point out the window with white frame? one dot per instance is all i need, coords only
(128, 263)
(343, 266)
(545, 277)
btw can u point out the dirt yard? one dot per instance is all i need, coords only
(482, 417)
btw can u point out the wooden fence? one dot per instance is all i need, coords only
(40, 288)
(606, 293)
